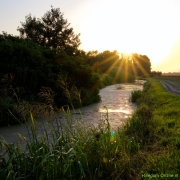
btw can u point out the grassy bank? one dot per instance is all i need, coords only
(156, 125)
(149, 144)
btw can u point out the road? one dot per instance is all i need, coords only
(171, 86)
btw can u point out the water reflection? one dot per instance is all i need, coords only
(115, 99)
(115, 110)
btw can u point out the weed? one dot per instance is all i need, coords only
(136, 95)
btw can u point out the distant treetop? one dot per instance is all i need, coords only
(52, 31)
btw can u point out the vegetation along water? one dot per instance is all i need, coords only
(43, 71)
(148, 145)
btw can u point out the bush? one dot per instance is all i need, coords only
(6, 108)
(120, 76)
(136, 95)
(29, 67)
(105, 80)
(5, 104)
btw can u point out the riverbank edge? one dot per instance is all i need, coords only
(155, 126)
(18, 113)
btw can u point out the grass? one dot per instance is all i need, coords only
(175, 78)
(147, 145)
(136, 95)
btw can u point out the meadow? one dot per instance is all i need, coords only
(147, 146)
(171, 78)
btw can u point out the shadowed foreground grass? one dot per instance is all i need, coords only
(147, 146)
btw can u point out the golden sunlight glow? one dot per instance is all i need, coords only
(171, 61)
(138, 26)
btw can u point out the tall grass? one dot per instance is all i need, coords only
(135, 95)
(148, 144)
(70, 150)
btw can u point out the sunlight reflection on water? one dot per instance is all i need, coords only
(114, 110)
(116, 99)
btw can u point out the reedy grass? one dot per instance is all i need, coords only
(136, 95)
(63, 152)
(70, 150)
(148, 144)
(11, 101)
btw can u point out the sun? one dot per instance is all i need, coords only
(108, 27)
(128, 27)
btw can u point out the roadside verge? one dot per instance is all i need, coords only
(155, 126)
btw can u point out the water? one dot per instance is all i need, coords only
(115, 99)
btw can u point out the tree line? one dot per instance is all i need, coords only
(156, 73)
(45, 65)
(135, 64)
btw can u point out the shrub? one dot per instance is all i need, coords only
(6, 108)
(26, 68)
(136, 95)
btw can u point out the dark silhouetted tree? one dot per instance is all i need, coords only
(141, 64)
(156, 73)
(103, 62)
(52, 31)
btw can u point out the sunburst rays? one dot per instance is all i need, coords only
(121, 67)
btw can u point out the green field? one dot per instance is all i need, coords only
(148, 146)
(171, 78)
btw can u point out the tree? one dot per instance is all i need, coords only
(156, 73)
(141, 64)
(103, 62)
(52, 31)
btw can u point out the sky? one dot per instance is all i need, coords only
(147, 27)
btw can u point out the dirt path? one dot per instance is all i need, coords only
(172, 87)
(174, 83)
